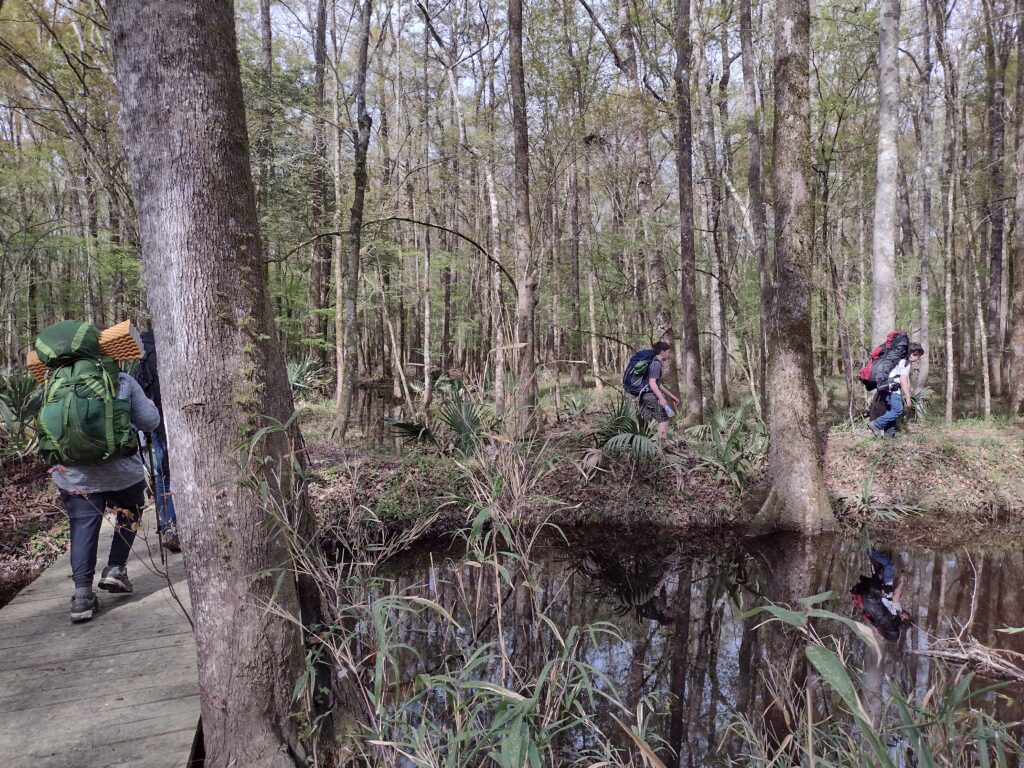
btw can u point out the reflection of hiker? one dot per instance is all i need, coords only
(87, 428)
(894, 392)
(879, 598)
(643, 380)
(147, 375)
(640, 588)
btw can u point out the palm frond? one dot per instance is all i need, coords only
(413, 431)
(464, 418)
(638, 447)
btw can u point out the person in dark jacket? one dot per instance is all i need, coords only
(87, 489)
(148, 376)
(878, 597)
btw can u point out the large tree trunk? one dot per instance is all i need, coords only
(184, 124)
(798, 499)
(1017, 289)
(692, 380)
(755, 187)
(525, 396)
(883, 246)
(348, 347)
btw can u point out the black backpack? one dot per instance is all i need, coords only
(634, 379)
(898, 348)
(146, 371)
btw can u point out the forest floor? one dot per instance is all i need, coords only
(935, 485)
(33, 525)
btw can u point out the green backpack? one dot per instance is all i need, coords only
(81, 419)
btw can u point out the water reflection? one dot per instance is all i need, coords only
(683, 642)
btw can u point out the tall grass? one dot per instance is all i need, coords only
(369, 697)
(828, 724)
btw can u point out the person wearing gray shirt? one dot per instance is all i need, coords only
(87, 490)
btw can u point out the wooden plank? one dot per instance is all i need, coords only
(119, 690)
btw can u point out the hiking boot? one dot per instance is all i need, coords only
(875, 430)
(115, 579)
(83, 608)
(169, 540)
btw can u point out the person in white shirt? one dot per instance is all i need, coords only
(898, 394)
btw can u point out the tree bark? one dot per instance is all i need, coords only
(798, 499)
(184, 125)
(714, 210)
(924, 241)
(755, 187)
(263, 144)
(692, 379)
(883, 246)
(321, 255)
(525, 395)
(1017, 285)
(361, 143)
(997, 55)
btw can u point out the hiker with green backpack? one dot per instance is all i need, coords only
(87, 432)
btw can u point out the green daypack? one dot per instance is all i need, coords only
(81, 419)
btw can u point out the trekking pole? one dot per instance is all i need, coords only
(155, 491)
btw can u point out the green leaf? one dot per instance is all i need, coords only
(792, 618)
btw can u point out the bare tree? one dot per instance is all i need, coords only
(320, 258)
(755, 185)
(692, 380)
(347, 290)
(525, 397)
(184, 124)
(883, 244)
(798, 499)
(1017, 289)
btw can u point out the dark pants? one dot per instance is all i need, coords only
(884, 567)
(86, 515)
(162, 480)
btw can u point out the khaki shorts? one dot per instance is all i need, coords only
(651, 409)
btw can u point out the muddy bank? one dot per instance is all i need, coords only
(33, 526)
(930, 485)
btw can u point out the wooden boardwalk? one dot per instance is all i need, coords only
(119, 690)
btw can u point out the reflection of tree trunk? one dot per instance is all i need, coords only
(678, 723)
(749, 647)
(793, 569)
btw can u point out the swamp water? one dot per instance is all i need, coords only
(674, 635)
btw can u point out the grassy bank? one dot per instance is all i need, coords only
(934, 481)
